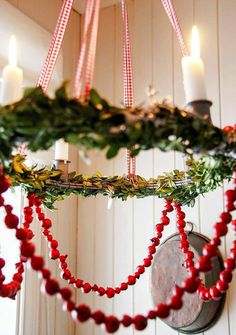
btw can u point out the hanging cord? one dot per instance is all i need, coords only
(171, 13)
(128, 79)
(80, 67)
(92, 50)
(55, 45)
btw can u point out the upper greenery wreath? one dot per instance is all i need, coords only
(39, 121)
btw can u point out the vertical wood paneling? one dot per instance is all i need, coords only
(227, 69)
(157, 61)
(143, 208)
(123, 210)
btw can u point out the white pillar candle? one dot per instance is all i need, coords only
(193, 71)
(12, 77)
(61, 150)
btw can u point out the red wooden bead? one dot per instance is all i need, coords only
(8, 209)
(21, 233)
(193, 271)
(49, 237)
(131, 280)
(176, 302)
(190, 255)
(2, 263)
(178, 291)
(165, 220)
(221, 229)
(38, 201)
(169, 208)
(140, 322)
(110, 292)
(152, 249)
(229, 264)
(41, 216)
(181, 215)
(222, 286)
(30, 234)
(209, 250)
(53, 244)
(226, 217)
(38, 210)
(46, 273)
(183, 244)
(51, 286)
(204, 264)
(126, 321)
(155, 241)
(72, 280)
(87, 288)
(98, 317)
(65, 293)
(228, 129)
(5, 183)
(69, 306)
(66, 274)
(102, 291)
(141, 269)
(112, 324)
(159, 227)
(188, 263)
(11, 221)
(18, 277)
(191, 284)
(83, 313)
(6, 291)
(233, 253)
(163, 311)
(1, 201)
(147, 262)
(27, 249)
(46, 223)
(37, 263)
(230, 195)
(54, 254)
(215, 241)
(79, 283)
(28, 210)
(152, 315)
(123, 286)
(215, 293)
(95, 288)
(226, 276)
(31, 196)
(181, 223)
(137, 275)
(117, 290)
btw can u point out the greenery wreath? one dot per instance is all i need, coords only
(40, 120)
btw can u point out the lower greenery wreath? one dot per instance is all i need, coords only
(203, 175)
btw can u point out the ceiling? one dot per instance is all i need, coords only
(79, 4)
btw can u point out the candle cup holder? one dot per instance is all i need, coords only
(62, 165)
(200, 108)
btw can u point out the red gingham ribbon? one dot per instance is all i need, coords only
(92, 50)
(128, 77)
(55, 45)
(80, 66)
(170, 10)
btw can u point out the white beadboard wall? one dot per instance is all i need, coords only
(111, 243)
(106, 245)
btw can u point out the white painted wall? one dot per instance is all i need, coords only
(105, 245)
(111, 243)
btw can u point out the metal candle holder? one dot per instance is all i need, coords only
(62, 165)
(200, 108)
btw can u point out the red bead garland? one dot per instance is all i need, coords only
(109, 292)
(112, 324)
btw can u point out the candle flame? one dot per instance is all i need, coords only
(12, 58)
(195, 43)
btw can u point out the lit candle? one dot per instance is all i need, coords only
(12, 77)
(61, 150)
(193, 71)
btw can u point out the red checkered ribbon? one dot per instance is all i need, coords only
(128, 78)
(92, 49)
(80, 67)
(170, 10)
(55, 45)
